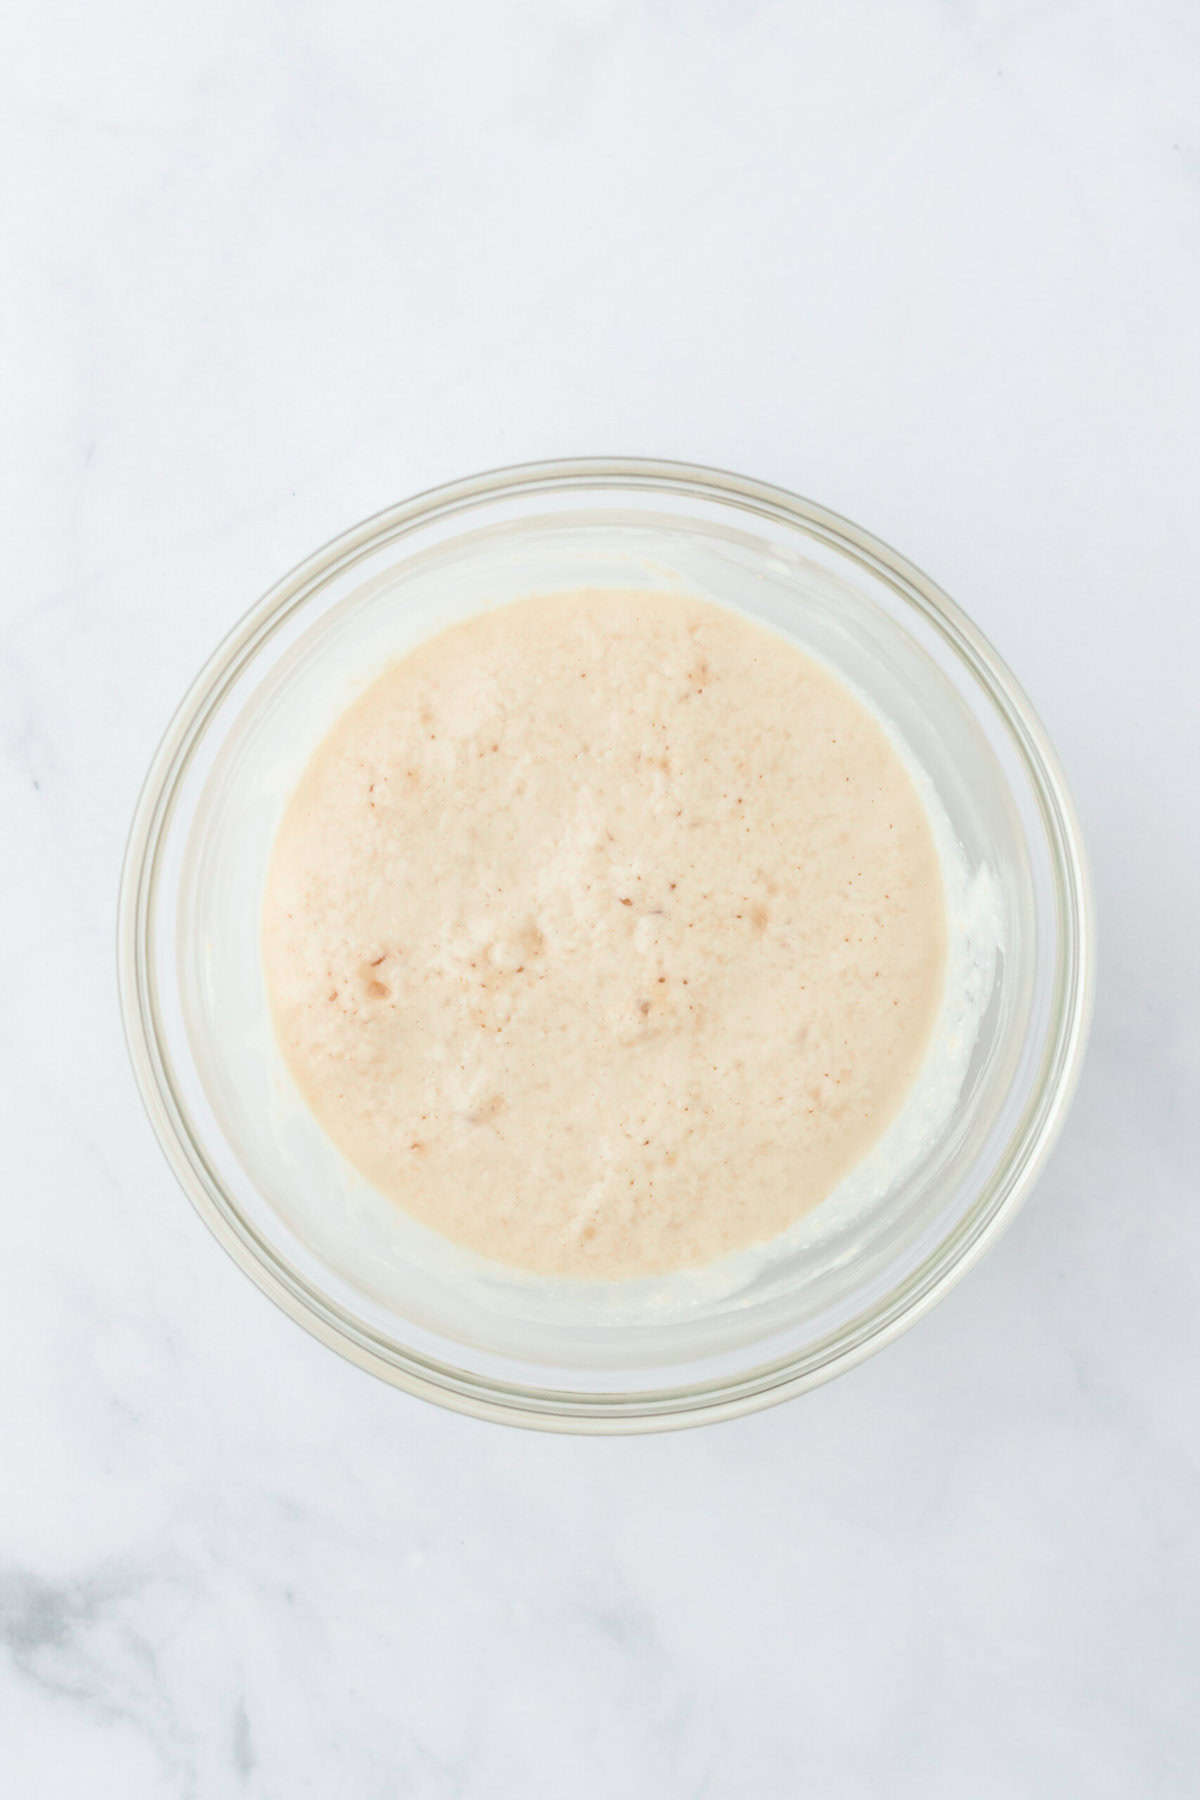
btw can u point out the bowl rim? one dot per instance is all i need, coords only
(674, 1407)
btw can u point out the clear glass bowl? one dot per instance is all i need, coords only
(375, 1286)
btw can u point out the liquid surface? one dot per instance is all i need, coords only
(605, 933)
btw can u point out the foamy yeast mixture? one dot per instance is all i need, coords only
(605, 932)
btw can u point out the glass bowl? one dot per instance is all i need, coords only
(377, 1287)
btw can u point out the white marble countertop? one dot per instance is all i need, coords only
(269, 268)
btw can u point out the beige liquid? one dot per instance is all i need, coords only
(605, 933)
